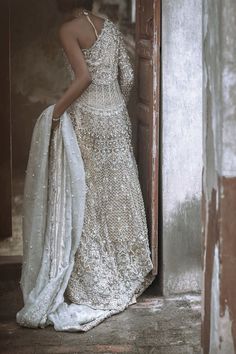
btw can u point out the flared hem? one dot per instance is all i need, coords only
(110, 312)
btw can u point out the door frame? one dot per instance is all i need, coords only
(152, 55)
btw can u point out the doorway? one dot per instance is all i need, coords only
(35, 62)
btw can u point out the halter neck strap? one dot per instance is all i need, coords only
(91, 22)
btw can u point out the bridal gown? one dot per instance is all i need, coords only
(112, 264)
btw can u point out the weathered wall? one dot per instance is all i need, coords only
(219, 177)
(182, 144)
(38, 76)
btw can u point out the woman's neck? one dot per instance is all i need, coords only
(78, 11)
(75, 13)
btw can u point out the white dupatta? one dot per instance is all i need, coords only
(53, 219)
(52, 226)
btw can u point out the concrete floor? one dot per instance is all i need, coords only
(153, 325)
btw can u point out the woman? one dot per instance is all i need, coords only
(107, 263)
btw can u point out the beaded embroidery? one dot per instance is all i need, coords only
(113, 261)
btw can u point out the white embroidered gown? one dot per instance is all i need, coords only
(112, 264)
(85, 257)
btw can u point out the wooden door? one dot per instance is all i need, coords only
(148, 112)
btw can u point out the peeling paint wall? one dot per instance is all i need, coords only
(219, 177)
(182, 144)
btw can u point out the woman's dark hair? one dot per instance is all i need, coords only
(69, 5)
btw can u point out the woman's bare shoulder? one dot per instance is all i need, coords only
(71, 22)
(68, 25)
(74, 25)
(68, 29)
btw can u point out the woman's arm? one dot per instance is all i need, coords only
(126, 70)
(82, 78)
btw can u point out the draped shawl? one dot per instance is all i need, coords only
(53, 213)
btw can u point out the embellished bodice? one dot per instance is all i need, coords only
(110, 68)
(102, 57)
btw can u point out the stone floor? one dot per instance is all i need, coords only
(153, 325)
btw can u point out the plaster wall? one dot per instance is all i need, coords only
(181, 144)
(219, 178)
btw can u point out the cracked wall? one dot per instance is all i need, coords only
(219, 177)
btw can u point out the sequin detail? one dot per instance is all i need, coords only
(113, 261)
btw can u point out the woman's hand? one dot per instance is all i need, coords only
(56, 118)
(55, 123)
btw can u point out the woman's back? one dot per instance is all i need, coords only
(109, 67)
(87, 28)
